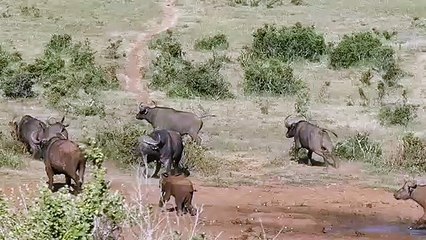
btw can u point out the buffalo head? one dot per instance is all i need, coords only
(291, 127)
(144, 109)
(42, 141)
(405, 191)
(150, 142)
(55, 127)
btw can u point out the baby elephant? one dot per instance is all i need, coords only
(180, 187)
(415, 190)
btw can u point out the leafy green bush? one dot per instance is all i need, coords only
(269, 76)
(218, 41)
(400, 114)
(62, 216)
(181, 78)
(11, 152)
(362, 47)
(66, 68)
(287, 43)
(14, 80)
(118, 143)
(198, 160)
(411, 154)
(359, 147)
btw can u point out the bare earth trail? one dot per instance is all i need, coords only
(297, 212)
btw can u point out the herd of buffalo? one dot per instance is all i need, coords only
(164, 145)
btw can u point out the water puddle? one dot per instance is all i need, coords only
(382, 229)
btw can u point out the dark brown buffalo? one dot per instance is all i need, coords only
(164, 147)
(313, 138)
(415, 190)
(171, 119)
(62, 156)
(23, 130)
(181, 188)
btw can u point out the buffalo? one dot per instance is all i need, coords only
(62, 156)
(313, 138)
(54, 127)
(162, 146)
(171, 119)
(23, 130)
(415, 190)
(181, 189)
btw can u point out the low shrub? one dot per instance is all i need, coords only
(181, 78)
(359, 148)
(66, 68)
(269, 76)
(287, 43)
(410, 155)
(198, 160)
(11, 152)
(62, 216)
(118, 143)
(400, 114)
(301, 106)
(218, 42)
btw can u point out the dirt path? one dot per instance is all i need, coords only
(138, 60)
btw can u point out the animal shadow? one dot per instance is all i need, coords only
(57, 186)
(315, 163)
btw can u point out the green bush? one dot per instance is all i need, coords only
(359, 147)
(269, 76)
(11, 152)
(287, 43)
(218, 42)
(400, 114)
(360, 48)
(198, 160)
(181, 78)
(14, 79)
(62, 216)
(66, 68)
(118, 143)
(411, 154)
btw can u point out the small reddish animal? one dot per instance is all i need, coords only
(62, 156)
(181, 188)
(415, 190)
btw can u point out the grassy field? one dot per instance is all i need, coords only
(248, 144)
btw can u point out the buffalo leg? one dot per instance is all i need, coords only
(179, 206)
(49, 173)
(310, 157)
(189, 206)
(68, 180)
(157, 169)
(165, 197)
(81, 171)
(77, 181)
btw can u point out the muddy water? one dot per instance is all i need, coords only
(394, 229)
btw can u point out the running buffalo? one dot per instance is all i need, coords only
(62, 156)
(23, 130)
(171, 119)
(313, 138)
(164, 147)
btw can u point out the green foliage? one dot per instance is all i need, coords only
(362, 47)
(218, 42)
(198, 160)
(118, 143)
(31, 11)
(301, 106)
(14, 79)
(60, 215)
(287, 43)
(111, 52)
(181, 78)
(411, 154)
(11, 152)
(400, 114)
(255, 3)
(67, 68)
(269, 76)
(297, 2)
(359, 147)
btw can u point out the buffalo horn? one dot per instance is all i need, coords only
(287, 124)
(49, 120)
(63, 118)
(149, 140)
(34, 138)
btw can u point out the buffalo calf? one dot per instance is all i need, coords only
(181, 188)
